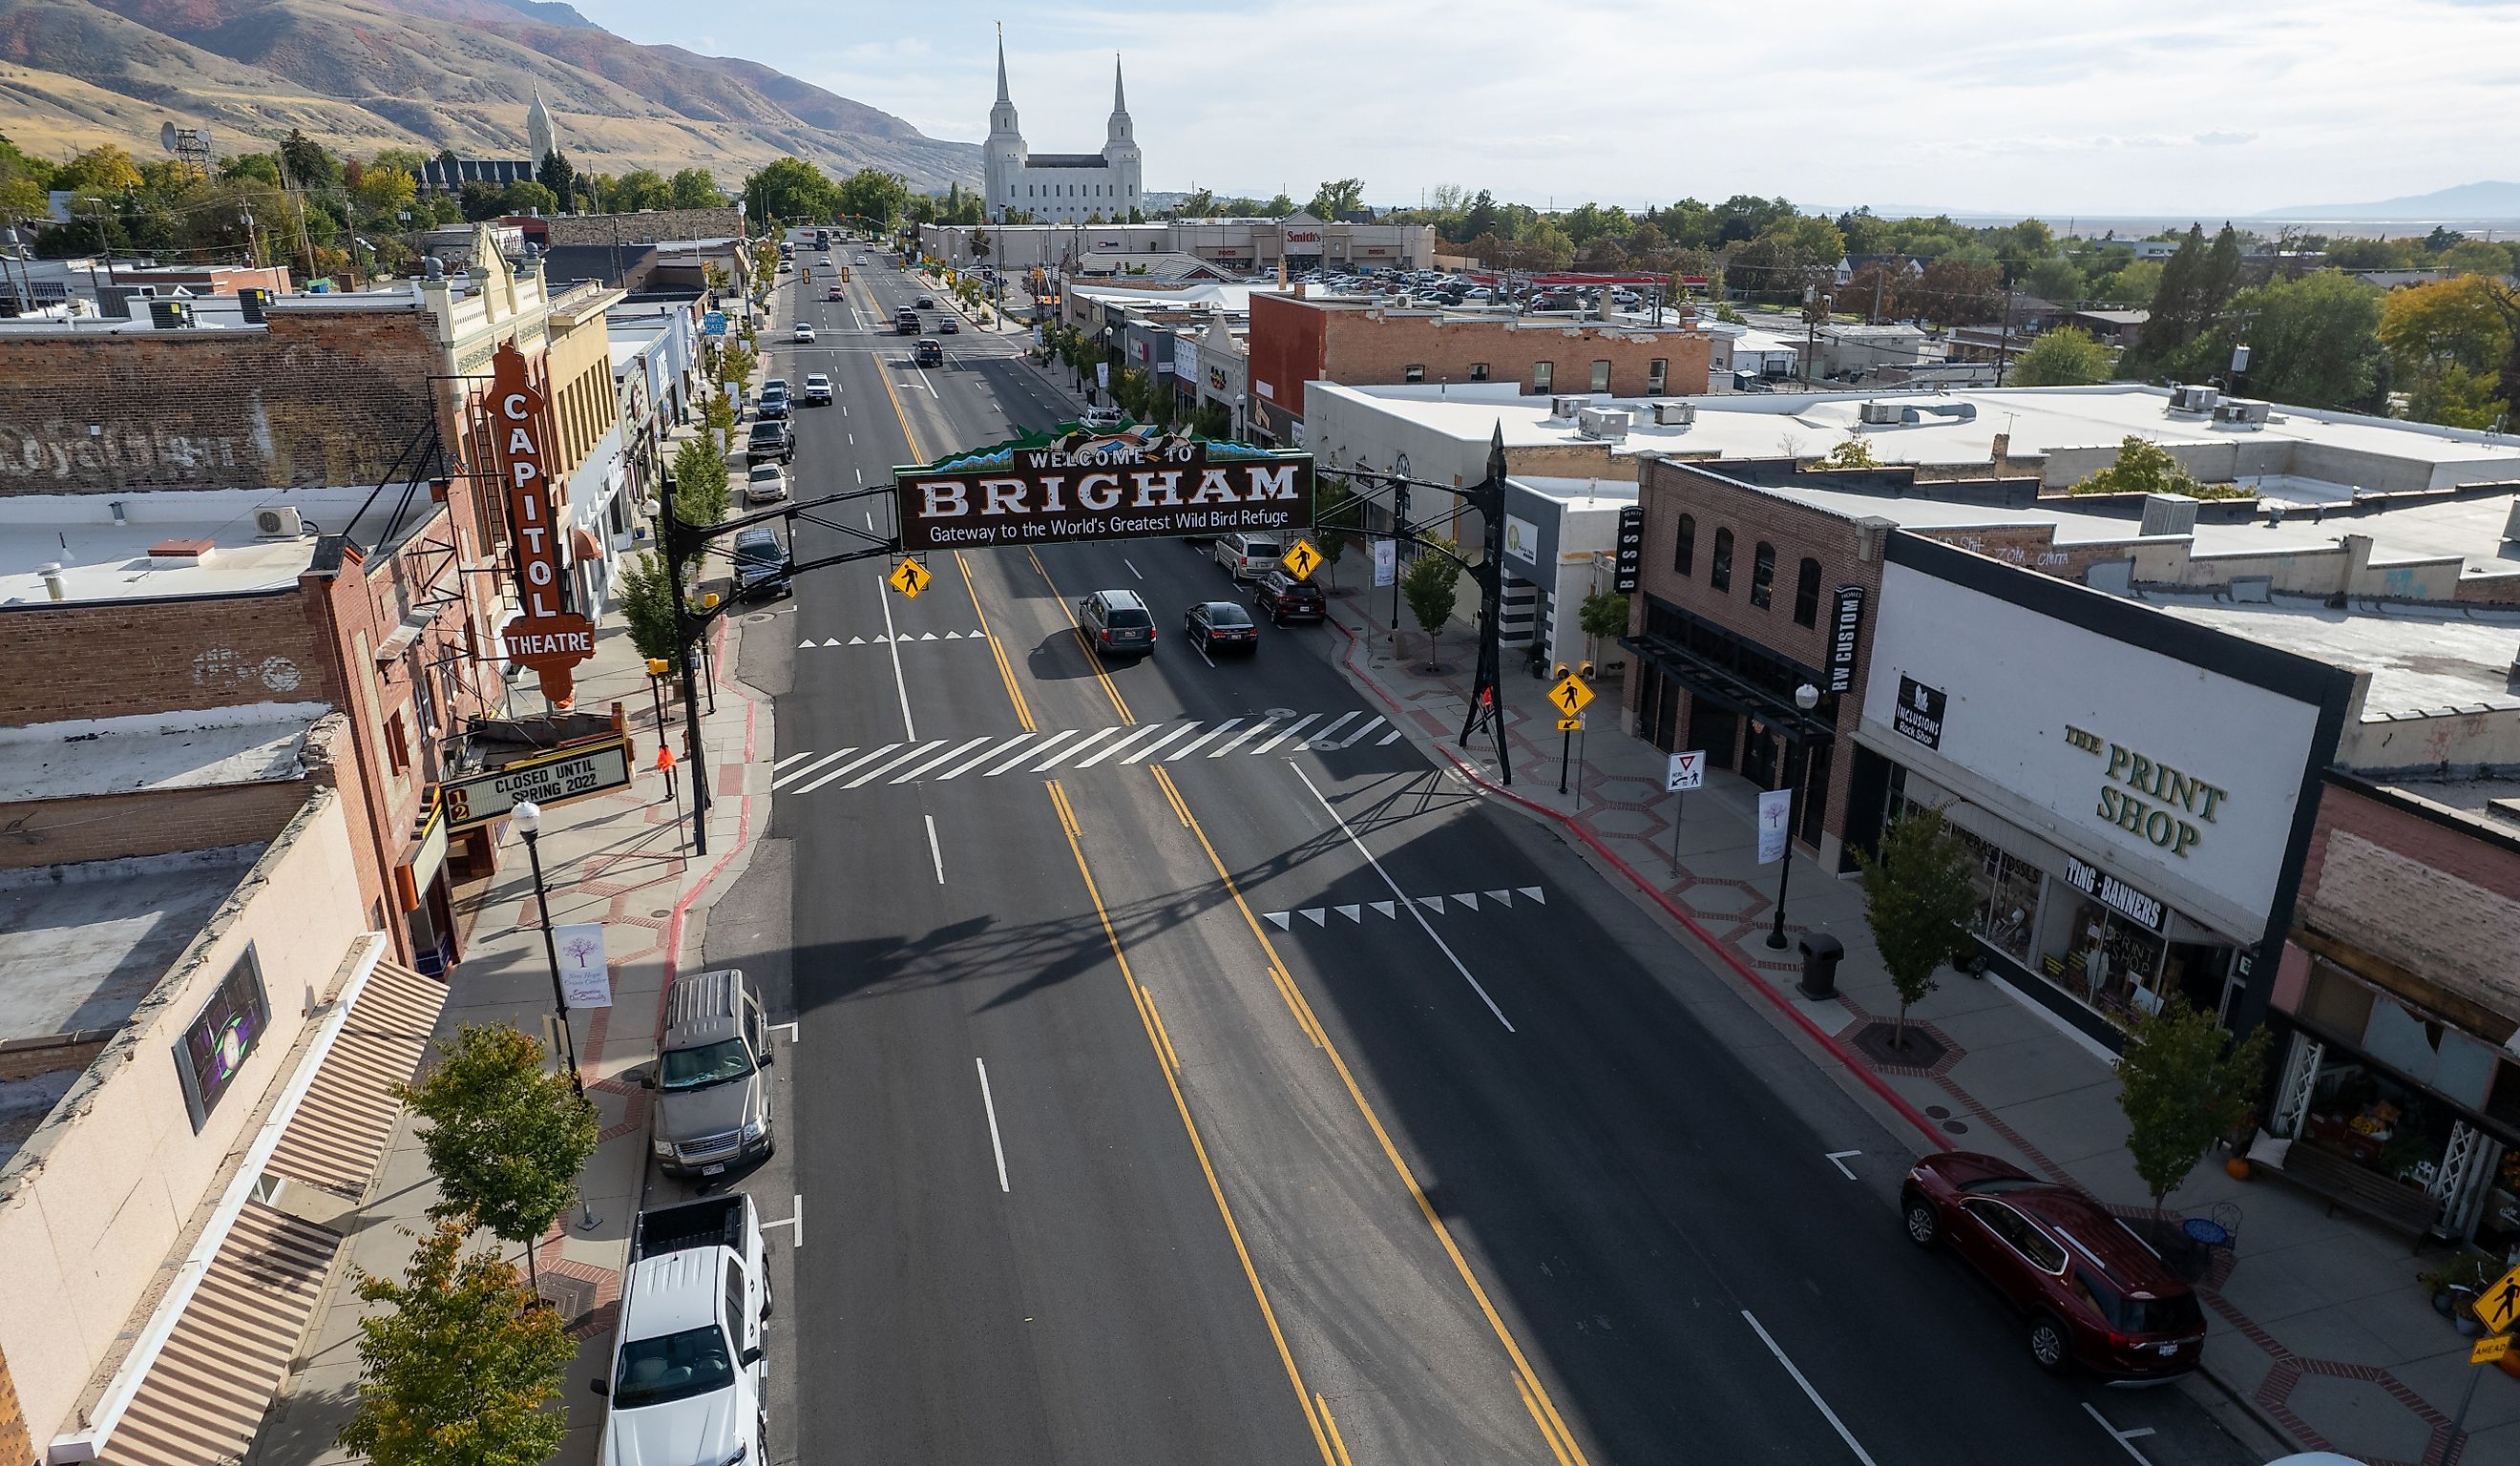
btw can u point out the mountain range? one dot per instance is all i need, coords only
(362, 75)
(2467, 201)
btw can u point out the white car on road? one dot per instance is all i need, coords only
(765, 483)
(804, 330)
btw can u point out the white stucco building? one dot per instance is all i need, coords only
(1060, 186)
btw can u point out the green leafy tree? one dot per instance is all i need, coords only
(2314, 341)
(555, 173)
(381, 191)
(1333, 514)
(107, 169)
(1854, 451)
(457, 1363)
(787, 188)
(1917, 893)
(1604, 616)
(2183, 1085)
(1430, 585)
(2142, 467)
(734, 368)
(526, 195)
(2065, 357)
(648, 603)
(506, 1136)
(640, 188)
(718, 416)
(694, 187)
(1344, 195)
(700, 487)
(309, 163)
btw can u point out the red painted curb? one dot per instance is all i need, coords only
(1724, 949)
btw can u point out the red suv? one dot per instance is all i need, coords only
(2094, 1294)
(1282, 598)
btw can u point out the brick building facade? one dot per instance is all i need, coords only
(1740, 600)
(1296, 340)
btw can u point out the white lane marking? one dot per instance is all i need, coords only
(934, 852)
(2124, 1439)
(870, 525)
(1186, 749)
(909, 728)
(1133, 567)
(923, 381)
(1142, 753)
(1420, 915)
(789, 759)
(789, 779)
(1358, 737)
(997, 1146)
(795, 1224)
(1075, 748)
(1053, 741)
(911, 751)
(1322, 739)
(1843, 1434)
(957, 751)
(1123, 743)
(962, 769)
(843, 769)
(1837, 1157)
(1202, 651)
(1227, 748)
(1392, 736)
(1289, 732)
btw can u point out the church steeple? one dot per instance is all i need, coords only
(1120, 127)
(1002, 117)
(540, 139)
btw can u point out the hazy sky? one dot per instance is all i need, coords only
(2225, 107)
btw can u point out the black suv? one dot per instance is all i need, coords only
(771, 439)
(760, 564)
(1282, 598)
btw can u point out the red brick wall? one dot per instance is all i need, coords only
(315, 398)
(148, 822)
(1286, 345)
(110, 659)
(1796, 530)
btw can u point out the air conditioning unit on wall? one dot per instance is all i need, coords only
(276, 521)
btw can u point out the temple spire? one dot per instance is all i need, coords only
(1002, 62)
(1119, 93)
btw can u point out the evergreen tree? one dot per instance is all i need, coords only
(556, 176)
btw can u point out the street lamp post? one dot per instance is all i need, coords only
(529, 817)
(1806, 697)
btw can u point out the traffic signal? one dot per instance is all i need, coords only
(1559, 671)
(1585, 671)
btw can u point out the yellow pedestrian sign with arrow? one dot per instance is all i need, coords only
(910, 577)
(1570, 694)
(1301, 560)
(1570, 725)
(2498, 1307)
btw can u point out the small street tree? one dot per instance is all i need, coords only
(736, 365)
(2142, 467)
(457, 1369)
(2183, 1085)
(2066, 357)
(506, 1136)
(700, 482)
(1917, 893)
(1604, 616)
(1331, 514)
(1851, 452)
(1430, 585)
(648, 603)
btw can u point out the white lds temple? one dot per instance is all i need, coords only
(1060, 186)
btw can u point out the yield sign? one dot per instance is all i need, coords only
(910, 577)
(1684, 771)
(2498, 1307)
(1570, 694)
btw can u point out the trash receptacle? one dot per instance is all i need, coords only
(1820, 953)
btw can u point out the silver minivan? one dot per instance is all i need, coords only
(1248, 556)
(712, 1096)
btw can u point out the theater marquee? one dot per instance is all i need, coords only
(1077, 486)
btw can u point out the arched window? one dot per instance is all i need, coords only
(1807, 594)
(1763, 575)
(1684, 549)
(1720, 573)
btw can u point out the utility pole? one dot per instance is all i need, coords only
(2004, 346)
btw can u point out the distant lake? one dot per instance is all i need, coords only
(2144, 226)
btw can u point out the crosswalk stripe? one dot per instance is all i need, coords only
(1225, 748)
(1434, 904)
(1354, 913)
(962, 768)
(791, 779)
(857, 641)
(1500, 898)
(1075, 748)
(1158, 744)
(1053, 741)
(792, 758)
(830, 640)
(1291, 730)
(1534, 892)
(1322, 738)
(1386, 907)
(1123, 743)
(880, 769)
(953, 752)
(845, 767)
(1467, 899)
(1186, 749)
(1278, 919)
(1389, 737)
(1313, 913)
(931, 637)
(808, 641)
(1358, 735)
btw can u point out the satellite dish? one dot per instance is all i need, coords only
(166, 136)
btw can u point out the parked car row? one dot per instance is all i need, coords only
(1121, 623)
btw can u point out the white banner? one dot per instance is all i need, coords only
(1775, 812)
(1103, 375)
(585, 980)
(1384, 563)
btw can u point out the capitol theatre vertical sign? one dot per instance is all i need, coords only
(543, 633)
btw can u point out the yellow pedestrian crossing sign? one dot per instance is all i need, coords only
(1570, 694)
(1570, 725)
(2498, 1307)
(1301, 560)
(910, 577)
(2489, 1349)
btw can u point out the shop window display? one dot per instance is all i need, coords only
(2009, 897)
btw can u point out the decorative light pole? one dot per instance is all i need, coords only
(528, 818)
(1806, 697)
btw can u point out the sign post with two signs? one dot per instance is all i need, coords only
(1570, 696)
(2498, 1307)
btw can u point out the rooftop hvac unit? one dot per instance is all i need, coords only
(170, 315)
(1878, 413)
(278, 521)
(1565, 406)
(1610, 422)
(1675, 414)
(2195, 399)
(2242, 412)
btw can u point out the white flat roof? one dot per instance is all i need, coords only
(250, 744)
(81, 946)
(103, 560)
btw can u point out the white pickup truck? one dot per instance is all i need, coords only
(688, 1384)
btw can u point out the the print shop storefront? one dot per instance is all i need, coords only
(2139, 789)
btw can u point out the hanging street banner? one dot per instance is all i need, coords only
(1072, 485)
(1386, 558)
(585, 978)
(1776, 811)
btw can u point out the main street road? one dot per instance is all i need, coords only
(1114, 1153)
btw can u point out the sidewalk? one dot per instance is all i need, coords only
(2317, 1323)
(622, 859)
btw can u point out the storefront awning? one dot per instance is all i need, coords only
(1729, 689)
(205, 1395)
(339, 1133)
